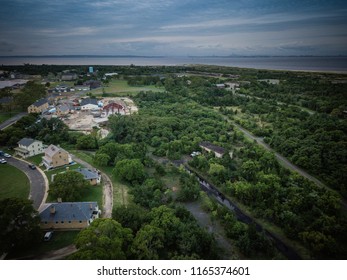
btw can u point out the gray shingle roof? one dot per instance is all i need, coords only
(26, 141)
(212, 147)
(40, 102)
(87, 174)
(68, 211)
(89, 101)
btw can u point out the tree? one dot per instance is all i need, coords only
(130, 216)
(30, 93)
(87, 142)
(68, 186)
(148, 241)
(189, 188)
(104, 239)
(101, 159)
(130, 170)
(19, 223)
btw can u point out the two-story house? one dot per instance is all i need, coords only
(55, 157)
(39, 106)
(28, 147)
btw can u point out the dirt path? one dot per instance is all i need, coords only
(214, 227)
(107, 189)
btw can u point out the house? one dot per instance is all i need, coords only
(92, 176)
(270, 81)
(64, 109)
(218, 151)
(39, 106)
(69, 76)
(220, 86)
(55, 157)
(112, 109)
(82, 87)
(92, 84)
(28, 147)
(89, 104)
(68, 215)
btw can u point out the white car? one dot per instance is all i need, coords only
(2, 160)
(7, 155)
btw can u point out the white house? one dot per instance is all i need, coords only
(28, 147)
(89, 104)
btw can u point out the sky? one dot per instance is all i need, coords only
(173, 27)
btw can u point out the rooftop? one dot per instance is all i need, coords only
(212, 147)
(40, 102)
(87, 173)
(68, 211)
(26, 141)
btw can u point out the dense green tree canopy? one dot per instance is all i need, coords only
(20, 225)
(68, 186)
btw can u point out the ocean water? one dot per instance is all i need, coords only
(323, 64)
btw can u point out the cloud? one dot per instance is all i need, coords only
(6, 47)
(151, 27)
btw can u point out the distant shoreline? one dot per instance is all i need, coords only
(323, 64)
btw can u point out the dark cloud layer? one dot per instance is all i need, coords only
(151, 27)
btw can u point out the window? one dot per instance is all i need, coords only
(62, 222)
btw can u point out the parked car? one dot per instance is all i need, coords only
(48, 236)
(2, 160)
(32, 166)
(7, 155)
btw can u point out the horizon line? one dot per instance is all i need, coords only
(161, 56)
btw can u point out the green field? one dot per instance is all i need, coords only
(13, 182)
(121, 87)
(6, 116)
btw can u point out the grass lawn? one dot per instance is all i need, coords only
(13, 182)
(6, 116)
(93, 193)
(119, 87)
(120, 190)
(35, 159)
(59, 240)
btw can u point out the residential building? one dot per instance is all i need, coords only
(220, 86)
(93, 177)
(69, 76)
(55, 157)
(39, 106)
(28, 147)
(89, 104)
(64, 109)
(82, 87)
(217, 150)
(112, 109)
(68, 215)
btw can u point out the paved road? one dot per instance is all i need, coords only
(37, 181)
(107, 188)
(285, 162)
(12, 120)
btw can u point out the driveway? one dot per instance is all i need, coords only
(37, 181)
